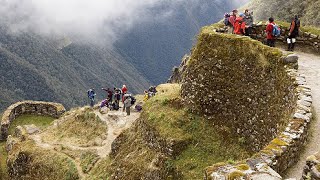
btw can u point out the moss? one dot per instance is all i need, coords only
(215, 167)
(235, 175)
(279, 142)
(243, 167)
(87, 161)
(318, 167)
(101, 170)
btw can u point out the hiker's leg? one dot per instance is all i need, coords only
(128, 111)
(289, 43)
(273, 43)
(293, 43)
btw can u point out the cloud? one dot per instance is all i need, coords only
(99, 19)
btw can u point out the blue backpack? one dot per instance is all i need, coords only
(276, 32)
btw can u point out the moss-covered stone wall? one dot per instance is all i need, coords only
(240, 84)
(28, 107)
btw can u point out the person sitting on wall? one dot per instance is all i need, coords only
(240, 25)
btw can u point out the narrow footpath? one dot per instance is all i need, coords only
(309, 65)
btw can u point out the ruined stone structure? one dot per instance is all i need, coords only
(240, 85)
(28, 107)
(212, 80)
(283, 151)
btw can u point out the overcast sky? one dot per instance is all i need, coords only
(84, 17)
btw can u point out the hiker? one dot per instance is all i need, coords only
(293, 33)
(146, 96)
(117, 95)
(269, 30)
(240, 25)
(109, 94)
(104, 103)
(127, 104)
(232, 20)
(152, 91)
(248, 19)
(124, 92)
(91, 95)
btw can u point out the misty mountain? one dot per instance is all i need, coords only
(39, 63)
(155, 47)
(37, 68)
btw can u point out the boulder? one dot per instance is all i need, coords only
(292, 58)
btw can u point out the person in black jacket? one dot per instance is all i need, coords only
(293, 33)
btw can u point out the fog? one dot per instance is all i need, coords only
(102, 19)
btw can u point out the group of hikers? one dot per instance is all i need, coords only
(115, 95)
(242, 24)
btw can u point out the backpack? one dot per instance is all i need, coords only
(133, 100)
(276, 31)
(226, 19)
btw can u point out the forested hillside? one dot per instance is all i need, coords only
(155, 47)
(284, 10)
(38, 68)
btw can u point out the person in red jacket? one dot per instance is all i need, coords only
(232, 20)
(270, 38)
(124, 91)
(240, 25)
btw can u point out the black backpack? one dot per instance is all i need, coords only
(133, 100)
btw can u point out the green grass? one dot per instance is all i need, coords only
(39, 121)
(3, 157)
(80, 128)
(205, 145)
(26, 119)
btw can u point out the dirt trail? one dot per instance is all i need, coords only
(117, 122)
(309, 65)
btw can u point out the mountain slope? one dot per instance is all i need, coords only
(155, 47)
(284, 10)
(33, 67)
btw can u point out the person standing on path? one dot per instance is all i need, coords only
(248, 19)
(127, 104)
(269, 30)
(91, 95)
(293, 33)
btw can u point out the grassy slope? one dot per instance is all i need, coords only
(80, 128)
(39, 121)
(207, 145)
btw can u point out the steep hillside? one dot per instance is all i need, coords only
(155, 47)
(38, 68)
(284, 10)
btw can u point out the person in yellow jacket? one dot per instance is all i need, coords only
(146, 96)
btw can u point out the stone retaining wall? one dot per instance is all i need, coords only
(28, 107)
(282, 152)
